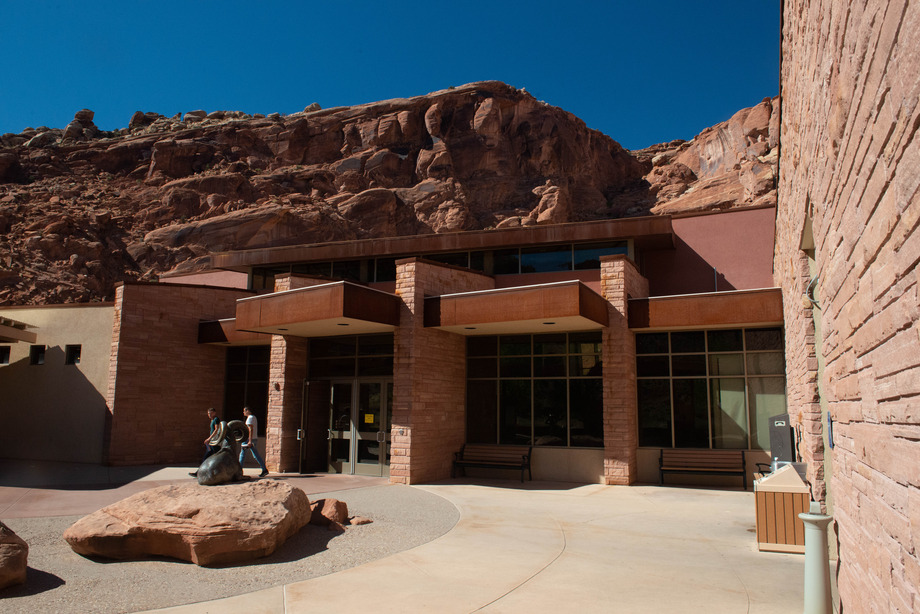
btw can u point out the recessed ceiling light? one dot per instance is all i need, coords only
(343, 323)
(548, 323)
(470, 328)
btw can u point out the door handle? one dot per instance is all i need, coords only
(299, 434)
(381, 436)
(329, 434)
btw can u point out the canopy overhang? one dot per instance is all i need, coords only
(543, 308)
(325, 310)
(12, 331)
(711, 310)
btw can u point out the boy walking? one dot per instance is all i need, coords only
(252, 425)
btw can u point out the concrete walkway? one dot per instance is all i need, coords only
(537, 547)
(562, 548)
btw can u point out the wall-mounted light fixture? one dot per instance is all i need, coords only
(808, 299)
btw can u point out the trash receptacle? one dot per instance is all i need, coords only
(780, 497)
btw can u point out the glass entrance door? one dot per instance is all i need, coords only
(359, 431)
(340, 427)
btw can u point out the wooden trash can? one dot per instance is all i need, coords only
(780, 497)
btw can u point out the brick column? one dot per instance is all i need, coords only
(620, 280)
(429, 375)
(287, 371)
(403, 372)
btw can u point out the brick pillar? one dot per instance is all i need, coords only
(287, 371)
(403, 371)
(429, 375)
(620, 280)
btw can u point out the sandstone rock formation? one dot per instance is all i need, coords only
(82, 209)
(14, 554)
(326, 511)
(732, 164)
(207, 525)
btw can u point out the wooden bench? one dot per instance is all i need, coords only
(702, 461)
(490, 456)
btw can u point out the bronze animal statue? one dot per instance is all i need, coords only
(224, 466)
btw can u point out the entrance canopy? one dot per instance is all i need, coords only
(12, 331)
(543, 308)
(337, 308)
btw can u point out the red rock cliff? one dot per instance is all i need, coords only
(81, 209)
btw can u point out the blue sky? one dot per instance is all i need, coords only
(640, 72)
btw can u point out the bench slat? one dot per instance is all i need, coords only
(702, 461)
(494, 457)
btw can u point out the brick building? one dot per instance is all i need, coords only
(597, 343)
(847, 248)
(385, 356)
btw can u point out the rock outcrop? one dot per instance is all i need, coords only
(14, 554)
(207, 525)
(732, 164)
(82, 209)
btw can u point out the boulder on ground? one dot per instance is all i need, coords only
(14, 554)
(325, 511)
(206, 525)
(359, 520)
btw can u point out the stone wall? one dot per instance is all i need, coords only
(429, 389)
(287, 371)
(849, 177)
(620, 281)
(161, 380)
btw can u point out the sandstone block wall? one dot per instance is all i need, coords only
(286, 374)
(850, 163)
(161, 380)
(287, 371)
(620, 280)
(429, 388)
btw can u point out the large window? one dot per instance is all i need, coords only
(247, 383)
(508, 261)
(716, 388)
(542, 390)
(351, 356)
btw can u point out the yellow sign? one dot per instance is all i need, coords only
(368, 418)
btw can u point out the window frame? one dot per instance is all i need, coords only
(567, 355)
(746, 375)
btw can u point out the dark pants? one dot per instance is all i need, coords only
(209, 450)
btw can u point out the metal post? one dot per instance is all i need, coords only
(817, 565)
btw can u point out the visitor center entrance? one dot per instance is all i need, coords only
(359, 427)
(353, 390)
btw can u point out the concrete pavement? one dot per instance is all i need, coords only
(562, 548)
(537, 547)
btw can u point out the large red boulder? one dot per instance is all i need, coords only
(14, 554)
(207, 525)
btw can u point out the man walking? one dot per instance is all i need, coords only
(252, 425)
(210, 448)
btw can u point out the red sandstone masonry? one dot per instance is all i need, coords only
(620, 280)
(287, 371)
(161, 380)
(429, 412)
(850, 153)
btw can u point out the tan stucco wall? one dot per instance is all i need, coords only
(56, 411)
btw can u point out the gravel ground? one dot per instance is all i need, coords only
(61, 581)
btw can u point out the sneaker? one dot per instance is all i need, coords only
(263, 474)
